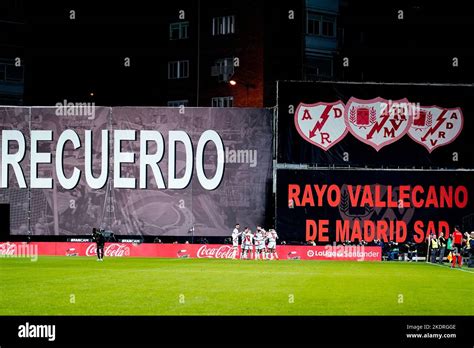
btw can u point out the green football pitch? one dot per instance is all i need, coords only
(139, 286)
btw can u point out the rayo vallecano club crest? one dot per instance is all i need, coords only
(378, 122)
(321, 124)
(434, 126)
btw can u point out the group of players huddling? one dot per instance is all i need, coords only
(260, 245)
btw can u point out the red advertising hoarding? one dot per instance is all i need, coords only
(223, 251)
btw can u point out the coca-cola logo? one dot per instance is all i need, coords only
(7, 249)
(222, 252)
(114, 250)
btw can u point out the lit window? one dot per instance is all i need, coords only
(222, 102)
(320, 25)
(178, 69)
(223, 25)
(223, 68)
(179, 30)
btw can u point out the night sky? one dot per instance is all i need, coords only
(70, 59)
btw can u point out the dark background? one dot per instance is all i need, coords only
(69, 59)
(5, 218)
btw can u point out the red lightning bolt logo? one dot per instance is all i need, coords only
(320, 124)
(438, 124)
(378, 126)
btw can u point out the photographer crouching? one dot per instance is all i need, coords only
(99, 239)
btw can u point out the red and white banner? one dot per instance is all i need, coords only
(221, 251)
(321, 124)
(377, 122)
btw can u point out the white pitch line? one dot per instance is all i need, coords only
(458, 269)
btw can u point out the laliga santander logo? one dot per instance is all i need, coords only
(115, 249)
(321, 124)
(434, 126)
(222, 252)
(378, 122)
(7, 249)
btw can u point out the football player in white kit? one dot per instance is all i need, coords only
(235, 240)
(266, 239)
(272, 237)
(242, 243)
(259, 243)
(247, 239)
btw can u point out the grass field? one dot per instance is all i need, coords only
(135, 286)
